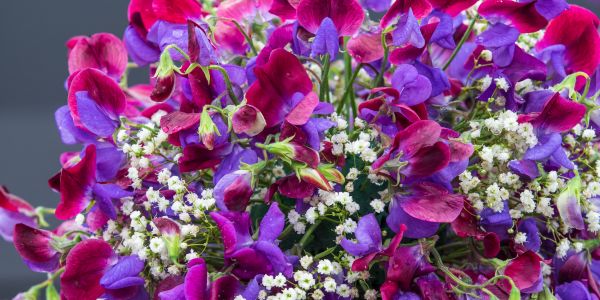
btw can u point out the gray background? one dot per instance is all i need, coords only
(32, 74)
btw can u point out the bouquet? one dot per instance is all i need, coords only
(326, 149)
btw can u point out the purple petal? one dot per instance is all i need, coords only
(196, 280)
(271, 224)
(432, 203)
(141, 51)
(326, 40)
(546, 147)
(415, 228)
(408, 31)
(93, 117)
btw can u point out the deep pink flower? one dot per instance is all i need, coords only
(105, 93)
(75, 182)
(85, 266)
(452, 7)
(558, 115)
(416, 151)
(522, 15)
(366, 47)
(176, 11)
(524, 270)
(420, 9)
(577, 30)
(102, 51)
(34, 246)
(282, 90)
(347, 15)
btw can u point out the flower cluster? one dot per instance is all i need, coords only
(326, 149)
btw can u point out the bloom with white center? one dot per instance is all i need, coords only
(378, 206)
(306, 261)
(325, 267)
(329, 285)
(157, 245)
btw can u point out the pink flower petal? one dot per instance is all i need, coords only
(347, 15)
(524, 270)
(576, 29)
(420, 9)
(277, 81)
(366, 47)
(85, 266)
(101, 88)
(452, 7)
(176, 11)
(558, 115)
(75, 183)
(248, 120)
(417, 135)
(33, 244)
(302, 112)
(177, 121)
(433, 203)
(521, 15)
(141, 14)
(102, 51)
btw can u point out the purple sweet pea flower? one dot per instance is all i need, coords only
(497, 222)
(428, 205)
(573, 290)
(141, 51)
(529, 227)
(251, 257)
(369, 245)
(163, 34)
(408, 31)
(376, 5)
(122, 281)
(326, 40)
(413, 87)
(557, 115)
(443, 34)
(500, 39)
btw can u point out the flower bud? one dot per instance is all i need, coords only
(315, 178)
(165, 78)
(248, 120)
(169, 231)
(331, 173)
(207, 130)
(292, 151)
(233, 191)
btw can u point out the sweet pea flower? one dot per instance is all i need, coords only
(35, 247)
(369, 245)
(428, 205)
(500, 40)
(416, 152)
(95, 101)
(13, 211)
(346, 15)
(582, 43)
(102, 51)
(122, 280)
(233, 191)
(413, 87)
(527, 16)
(78, 184)
(251, 257)
(283, 90)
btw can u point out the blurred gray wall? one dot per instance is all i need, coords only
(32, 74)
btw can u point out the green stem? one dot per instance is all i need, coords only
(308, 233)
(324, 88)
(349, 92)
(227, 82)
(461, 42)
(386, 53)
(246, 36)
(325, 253)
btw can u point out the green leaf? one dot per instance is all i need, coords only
(515, 294)
(51, 293)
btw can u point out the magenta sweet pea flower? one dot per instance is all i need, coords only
(233, 191)
(527, 16)
(452, 7)
(369, 245)
(35, 247)
(406, 264)
(577, 30)
(13, 210)
(96, 101)
(428, 205)
(366, 47)
(283, 90)
(248, 120)
(416, 152)
(346, 15)
(77, 184)
(85, 266)
(524, 270)
(102, 51)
